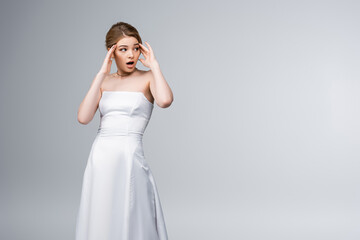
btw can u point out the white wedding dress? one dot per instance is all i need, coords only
(119, 198)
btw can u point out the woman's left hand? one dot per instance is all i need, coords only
(150, 59)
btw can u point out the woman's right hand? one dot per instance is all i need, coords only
(106, 67)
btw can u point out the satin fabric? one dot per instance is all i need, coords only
(119, 198)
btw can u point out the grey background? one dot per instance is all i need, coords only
(261, 141)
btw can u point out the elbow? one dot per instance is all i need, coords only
(84, 117)
(82, 120)
(166, 103)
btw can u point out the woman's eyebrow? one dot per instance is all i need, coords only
(127, 45)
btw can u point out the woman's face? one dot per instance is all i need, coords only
(127, 49)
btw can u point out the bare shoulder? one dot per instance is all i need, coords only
(105, 81)
(146, 75)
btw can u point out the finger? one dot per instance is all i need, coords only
(149, 46)
(111, 50)
(143, 47)
(144, 53)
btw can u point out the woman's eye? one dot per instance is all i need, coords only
(125, 49)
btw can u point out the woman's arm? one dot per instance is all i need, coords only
(159, 88)
(90, 103)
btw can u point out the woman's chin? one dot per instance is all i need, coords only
(127, 70)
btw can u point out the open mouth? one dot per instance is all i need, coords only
(130, 63)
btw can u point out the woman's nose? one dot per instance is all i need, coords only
(131, 54)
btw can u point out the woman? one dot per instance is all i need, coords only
(119, 199)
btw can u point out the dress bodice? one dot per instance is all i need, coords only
(124, 113)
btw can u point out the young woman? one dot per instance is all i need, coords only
(119, 199)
